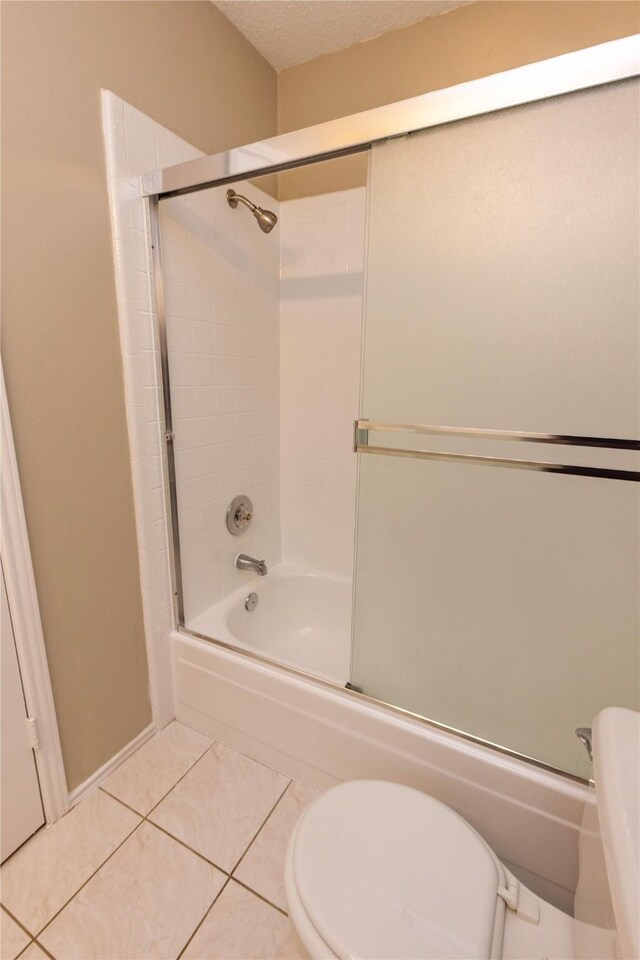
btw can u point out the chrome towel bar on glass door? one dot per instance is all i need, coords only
(362, 428)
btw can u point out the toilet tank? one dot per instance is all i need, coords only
(607, 903)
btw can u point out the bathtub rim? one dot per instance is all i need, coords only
(389, 708)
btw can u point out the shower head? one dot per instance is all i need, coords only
(266, 218)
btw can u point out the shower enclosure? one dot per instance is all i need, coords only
(469, 551)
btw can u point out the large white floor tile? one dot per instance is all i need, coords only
(46, 872)
(221, 804)
(12, 938)
(143, 904)
(241, 926)
(144, 779)
(262, 867)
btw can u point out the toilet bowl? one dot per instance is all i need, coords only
(381, 870)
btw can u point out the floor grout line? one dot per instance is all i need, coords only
(194, 764)
(260, 896)
(126, 805)
(132, 810)
(228, 874)
(206, 914)
(164, 796)
(83, 885)
(187, 847)
(44, 950)
(201, 757)
(18, 922)
(144, 818)
(242, 753)
(168, 833)
(261, 827)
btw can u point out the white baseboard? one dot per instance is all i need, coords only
(100, 775)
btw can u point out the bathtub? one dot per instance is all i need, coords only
(315, 731)
(271, 685)
(302, 619)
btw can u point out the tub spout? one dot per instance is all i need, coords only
(245, 562)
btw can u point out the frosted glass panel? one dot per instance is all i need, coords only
(502, 292)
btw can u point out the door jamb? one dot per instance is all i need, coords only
(27, 625)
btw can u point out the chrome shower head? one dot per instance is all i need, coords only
(266, 218)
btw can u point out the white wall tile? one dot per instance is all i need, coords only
(135, 144)
(264, 337)
(321, 288)
(230, 349)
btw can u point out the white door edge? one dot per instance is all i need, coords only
(25, 614)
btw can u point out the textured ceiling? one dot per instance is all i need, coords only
(287, 32)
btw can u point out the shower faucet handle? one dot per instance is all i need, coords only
(239, 515)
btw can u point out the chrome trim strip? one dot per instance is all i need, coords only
(556, 438)
(390, 707)
(579, 70)
(541, 466)
(169, 459)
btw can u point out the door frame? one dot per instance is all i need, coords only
(27, 626)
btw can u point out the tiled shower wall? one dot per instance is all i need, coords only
(237, 332)
(221, 294)
(321, 291)
(264, 349)
(135, 144)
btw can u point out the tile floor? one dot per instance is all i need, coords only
(180, 853)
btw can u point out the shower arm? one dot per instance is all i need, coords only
(233, 198)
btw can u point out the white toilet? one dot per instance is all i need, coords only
(382, 871)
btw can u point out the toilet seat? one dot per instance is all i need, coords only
(377, 869)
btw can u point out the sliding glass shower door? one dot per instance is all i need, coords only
(502, 295)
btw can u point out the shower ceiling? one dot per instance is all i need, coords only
(287, 32)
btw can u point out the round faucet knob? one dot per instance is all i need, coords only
(239, 515)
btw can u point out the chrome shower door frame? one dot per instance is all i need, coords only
(568, 73)
(605, 63)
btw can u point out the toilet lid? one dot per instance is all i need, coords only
(383, 870)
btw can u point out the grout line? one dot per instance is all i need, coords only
(242, 753)
(157, 826)
(144, 819)
(164, 795)
(187, 847)
(118, 800)
(195, 763)
(260, 828)
(83, 885)
(18, 922)
(46, 952)
(227, 873)
(259, 896)
(206, 914)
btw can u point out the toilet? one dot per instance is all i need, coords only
(379, 870)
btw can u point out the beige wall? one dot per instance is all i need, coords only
(187, 67)
(473, 41)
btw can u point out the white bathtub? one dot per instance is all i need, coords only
(302, 619)
(320, 734)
